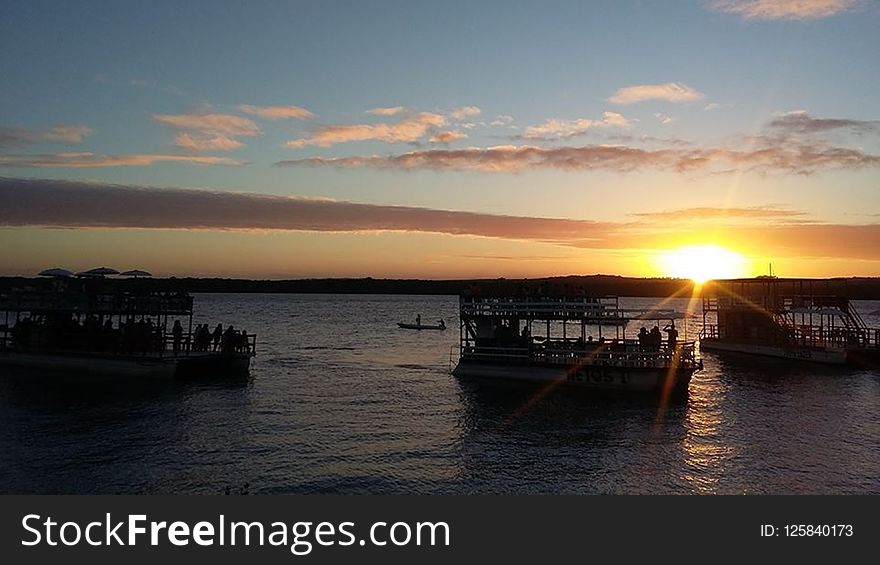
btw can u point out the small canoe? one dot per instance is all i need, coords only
(420, 326)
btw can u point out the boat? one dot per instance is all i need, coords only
(809, 320)
(578, 342)
(113, 329)
(420, 326)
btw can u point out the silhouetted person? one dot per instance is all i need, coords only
(177, 335)
(218, 336)
(228, 340)
(656, 337)
(672, 335)
(442, 323)
(643, 337)
(418, 319)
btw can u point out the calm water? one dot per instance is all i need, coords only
(341, 401)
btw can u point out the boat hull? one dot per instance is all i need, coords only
(416, 327)
(631, 379)
(813, 355)
(124, 367)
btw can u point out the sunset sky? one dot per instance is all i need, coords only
(440, 139)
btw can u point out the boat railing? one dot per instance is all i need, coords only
(152, 344)
(807, 336)
(188, 344)
(528, 307)
(617, 355)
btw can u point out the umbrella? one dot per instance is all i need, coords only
(98, 272)
(135, 273)
(57, 273)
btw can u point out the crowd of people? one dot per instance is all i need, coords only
(653, 339)
(228, 341)
(129, 336)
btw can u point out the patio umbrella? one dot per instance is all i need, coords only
(98, 272)
(136, 273)
(56, 273)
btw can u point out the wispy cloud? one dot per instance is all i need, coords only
(85, 159)
(790, 153)
(792, 158)
(277, 112)
(784, 9)
(669, 92)
(709, 213)
(80, 204)
(447, 137)
(565, 129)
(502, 120)
(386, 111)
(664, 118)
(19, 137)
(801, 122)
(209, 132)
(409, 129)
(465, 112)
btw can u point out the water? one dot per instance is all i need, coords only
(341, 401)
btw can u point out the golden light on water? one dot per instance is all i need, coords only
(701, 263)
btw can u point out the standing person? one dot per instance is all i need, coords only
(218, 335)
(418, 319)
(672, 335)
(656, 337)
(177, 335)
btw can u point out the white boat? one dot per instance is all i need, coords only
(110, 329)
(797, 319)
(524, 339)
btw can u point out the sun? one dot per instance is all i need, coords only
(701, 263)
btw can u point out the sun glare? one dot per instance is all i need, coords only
(701, 263)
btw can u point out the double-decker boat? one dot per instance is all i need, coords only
(552, 339)
(113, 329)
(799, 319)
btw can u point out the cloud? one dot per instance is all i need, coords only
(763, 153)
(409, 129)
(784, 9)
(199, 142)
(277, 112)
(209, 132)
(796, 158)
(36, 202)
(564, 129)
(802, 123)
(87, 159)
(501, 121)
(708, 213)
(81, 204)
(389, 111)
(19, 137)
(465, 112)
(664, 119)
(447, 137)
(670, 92)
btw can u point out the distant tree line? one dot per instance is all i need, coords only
(858, 288)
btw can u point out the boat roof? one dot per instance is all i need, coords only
(99, 303)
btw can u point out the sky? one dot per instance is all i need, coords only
(441, 139)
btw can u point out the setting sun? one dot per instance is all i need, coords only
(701, 263)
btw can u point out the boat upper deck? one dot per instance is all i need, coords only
(98, 302)
(592, 310)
